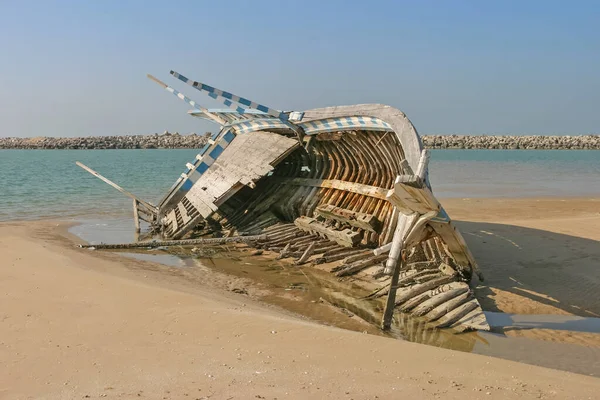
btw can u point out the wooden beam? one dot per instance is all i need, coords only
(410, 195)
(390, 303)
(367, 190)
(136, 215)
(405, 224)
(457, 247)
(166, 243)
(346, 237)
(360, 220)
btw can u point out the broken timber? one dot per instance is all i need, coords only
(167, 243)
(345, 189)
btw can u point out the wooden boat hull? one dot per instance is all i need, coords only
(346, 187)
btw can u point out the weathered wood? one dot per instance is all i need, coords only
(283, 237)
(307, 253)
(352, 187)
(446, 307)
(360, 256)
(284, 252)
(136, 216)
(406, 167)
(339, 256)
(407, 276)
(279, 228)
(404, 226)
(421, 171)
(167, 243)
(303, 240)
(325, 249)
(419, 277)
(457, 313)
(404, 294)
(353, 218)
(411, 196)
(345, 237)
(420, 265)
(475, 319)
(456, 245)
(230, 165)
(351, 269)
(388, 311)
(440, 296)
(383, 249)
(286, 238)
(415, 301)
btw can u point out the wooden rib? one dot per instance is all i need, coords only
(456, 289)
(446, 307)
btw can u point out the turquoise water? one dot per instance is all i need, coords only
(515, 173)
(47, 183)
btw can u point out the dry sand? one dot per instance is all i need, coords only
(76, 323)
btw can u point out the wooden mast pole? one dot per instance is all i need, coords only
(149, 206)
(136, 216)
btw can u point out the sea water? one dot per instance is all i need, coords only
(47, 183)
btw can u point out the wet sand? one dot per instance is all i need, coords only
(79, 323)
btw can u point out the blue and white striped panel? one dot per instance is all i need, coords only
(186, 99)
(345, 123)
(231, 100)
(313, 127)
(258, 125)
(205, 160)
(191, 102)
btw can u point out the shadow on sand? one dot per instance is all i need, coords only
(547, 268)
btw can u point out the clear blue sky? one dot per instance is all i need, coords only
(77, 68)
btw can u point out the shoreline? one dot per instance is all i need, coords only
(126, 214)
(121, 326)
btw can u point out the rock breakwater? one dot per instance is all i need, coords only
(176, 141)
(165, 141)
(583, 142)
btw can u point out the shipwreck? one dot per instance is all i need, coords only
(342, 187)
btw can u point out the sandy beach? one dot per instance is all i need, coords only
(84, 324)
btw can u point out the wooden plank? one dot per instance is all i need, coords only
(457, 247)
(410, 196)
(247, 159)
(353, 218)
(346, 237)
(367, 190)
(166, 243)
(416, 233)
(183, 212)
